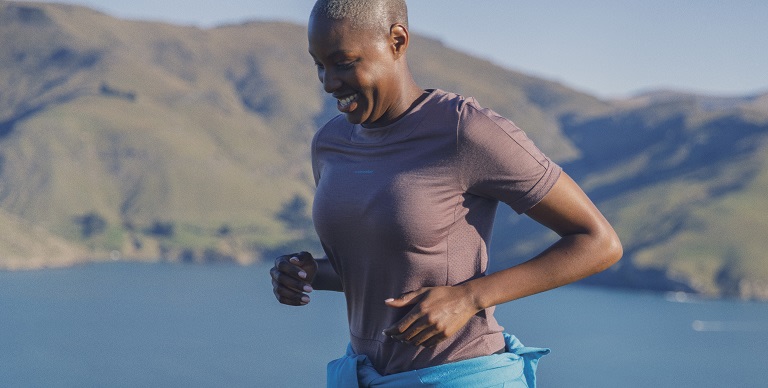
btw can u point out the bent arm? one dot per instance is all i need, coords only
(326, 277)
(587, 245)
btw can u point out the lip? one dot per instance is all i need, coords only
(342, 96)
(347, 103)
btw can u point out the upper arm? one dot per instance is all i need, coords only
(567, 210)
(497, 160)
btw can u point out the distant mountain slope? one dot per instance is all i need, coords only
(148, 140)
(685, 180)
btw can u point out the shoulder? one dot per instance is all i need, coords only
(481, 124)
(332, 127)
(446, 102)
(483, 134)
(444, 110)
(328, 134)
(332, 133)
(470, 117)
(471, 122)
(474, 113)
(327, 138)
(459, 103)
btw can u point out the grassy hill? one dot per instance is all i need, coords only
(153, 141)
(175, 140)
(685, 180)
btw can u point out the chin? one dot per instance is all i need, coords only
(355, 117)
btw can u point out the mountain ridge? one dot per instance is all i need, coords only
(146, 141)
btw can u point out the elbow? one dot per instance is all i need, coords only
(611, 250)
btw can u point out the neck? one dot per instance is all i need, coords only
(409, 95)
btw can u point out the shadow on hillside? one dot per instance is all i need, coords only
(717, 149)
(47, 79)
(718, 154)
(7, 126)
(628, 276)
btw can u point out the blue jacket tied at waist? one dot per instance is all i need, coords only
(515, 368)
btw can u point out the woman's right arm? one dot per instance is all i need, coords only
(296, 275)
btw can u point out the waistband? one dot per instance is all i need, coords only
(514, 368)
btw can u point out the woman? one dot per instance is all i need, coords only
(408, 181)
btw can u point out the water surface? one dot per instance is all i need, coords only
(131, 324)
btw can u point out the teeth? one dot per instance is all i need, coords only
(347, 100)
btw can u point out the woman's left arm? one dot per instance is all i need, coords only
(587, 245)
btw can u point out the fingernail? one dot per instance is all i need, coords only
(383, 333)
(307, 288)
(389, 300)
(305, 299)
(294, 259)
(302, 274)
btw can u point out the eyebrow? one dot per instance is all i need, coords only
(333, 54)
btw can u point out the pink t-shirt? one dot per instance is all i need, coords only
(412, 205)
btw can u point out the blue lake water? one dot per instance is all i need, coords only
(164, 325)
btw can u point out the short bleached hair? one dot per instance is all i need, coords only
(364, 13)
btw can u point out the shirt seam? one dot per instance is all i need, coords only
(508, 135)
(545, 174)
(463, 189)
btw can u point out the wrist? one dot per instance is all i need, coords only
(471, 296)
(325, 277)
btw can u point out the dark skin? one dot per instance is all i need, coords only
(366, 64)
(371, 66)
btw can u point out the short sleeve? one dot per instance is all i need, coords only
(499, 161)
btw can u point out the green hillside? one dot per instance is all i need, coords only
(178, 142)
(152, 141)
(685, 180)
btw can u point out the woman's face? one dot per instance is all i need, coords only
(358, 67)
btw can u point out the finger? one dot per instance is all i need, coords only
(290, 282)
(299, 259)
(290, 269)
(287, 257)
(302, 259)
(287, 296)
(423, 336)
(406, 299)
(415, 331)
(395, 331)
(288, 290)
(409, 298)
(434, 340)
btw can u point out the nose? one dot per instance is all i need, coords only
(330, 82)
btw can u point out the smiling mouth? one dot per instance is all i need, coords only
(347, 104)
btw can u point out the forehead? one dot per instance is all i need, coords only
(327, 35)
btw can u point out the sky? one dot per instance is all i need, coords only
(608, 48)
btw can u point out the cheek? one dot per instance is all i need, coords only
(360, 79)
(369, 77)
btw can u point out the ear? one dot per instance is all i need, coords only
(398, 35)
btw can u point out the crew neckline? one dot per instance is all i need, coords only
(390, 133)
